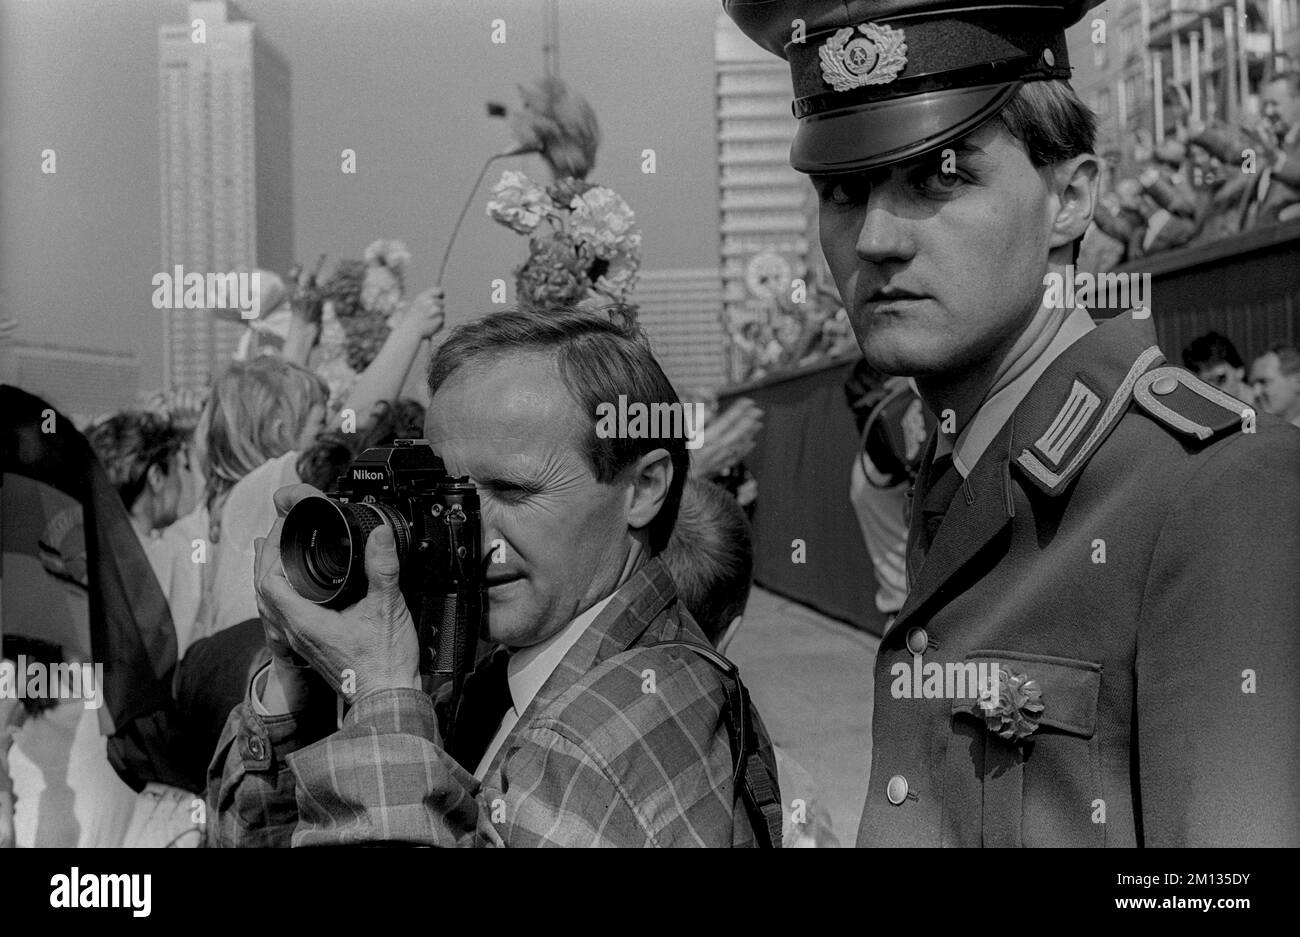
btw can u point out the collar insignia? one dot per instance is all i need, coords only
(874, 58)
(1075, 416)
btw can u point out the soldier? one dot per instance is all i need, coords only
(1095, 533)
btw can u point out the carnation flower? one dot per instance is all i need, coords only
(556, 272)
(387, 253)
(381, 290)
(601, 216)
(1013, 707)
(519, 203)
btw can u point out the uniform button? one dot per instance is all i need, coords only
(255, 747)
(897, 790)
(1049, 59)
(1166, 385)
(917, 640)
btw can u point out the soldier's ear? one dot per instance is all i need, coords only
(1074, 198)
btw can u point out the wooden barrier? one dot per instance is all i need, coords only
(1248, 288)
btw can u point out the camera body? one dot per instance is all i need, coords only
(437, 531)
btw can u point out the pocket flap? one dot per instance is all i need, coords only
(1070, 688)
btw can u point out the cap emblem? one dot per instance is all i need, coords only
(874, 58)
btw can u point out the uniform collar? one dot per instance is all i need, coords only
(992, 415)
(1059, 424)
(1079, 399)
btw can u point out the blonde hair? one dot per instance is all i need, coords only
(256, 412)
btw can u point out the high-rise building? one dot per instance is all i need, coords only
(1208, 57)
(767, 224)
(227, 188)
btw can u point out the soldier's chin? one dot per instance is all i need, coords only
(899, 348)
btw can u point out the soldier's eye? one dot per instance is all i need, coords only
(937, 182)
(843, 193)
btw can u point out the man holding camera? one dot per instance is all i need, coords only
(1095, 649)
(580, 730)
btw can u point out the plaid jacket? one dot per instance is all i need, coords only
(624, 745)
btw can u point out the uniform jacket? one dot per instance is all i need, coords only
(624, 745)
(1126, 543)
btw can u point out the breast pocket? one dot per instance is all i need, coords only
(1045, 789)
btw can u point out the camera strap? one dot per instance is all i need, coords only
(753, 781)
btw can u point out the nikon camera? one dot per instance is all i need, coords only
(438, 533)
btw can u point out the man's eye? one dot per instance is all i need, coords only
(938, 182)
(510, 493)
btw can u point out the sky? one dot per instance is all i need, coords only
(402, 82)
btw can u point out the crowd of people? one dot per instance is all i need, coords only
(196, 473)
(1270, 385)
(1206, 183)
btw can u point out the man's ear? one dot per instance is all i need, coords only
(1076, 198)
(650, 476)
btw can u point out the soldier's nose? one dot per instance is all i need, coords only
(884, 236)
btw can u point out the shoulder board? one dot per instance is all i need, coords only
(1189, 406)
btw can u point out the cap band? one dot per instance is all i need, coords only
(908, 55)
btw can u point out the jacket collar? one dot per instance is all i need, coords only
(1079, 400)
(1049, 438)
(633, 616)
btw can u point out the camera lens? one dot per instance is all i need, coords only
(323, 547)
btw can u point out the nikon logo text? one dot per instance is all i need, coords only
(651, 421)
(103, 891)
(366, 475)
(181, 290)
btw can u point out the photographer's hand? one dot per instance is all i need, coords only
(370, 646)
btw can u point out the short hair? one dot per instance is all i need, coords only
(256, 412)
(710, 557)
(1210, 349)
(332, 452)
(131, 442)
(1288, 359)
(1053, 125)
(1051, 122)
(600, 357)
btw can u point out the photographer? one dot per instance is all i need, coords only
(578, 731)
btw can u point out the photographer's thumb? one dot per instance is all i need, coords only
(383, 567)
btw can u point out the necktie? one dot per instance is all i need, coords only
(944, 482)
(483, 702)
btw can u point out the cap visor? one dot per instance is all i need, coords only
(885, 132)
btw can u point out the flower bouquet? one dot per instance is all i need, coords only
(583, 241)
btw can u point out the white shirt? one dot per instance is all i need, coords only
(994, 412)
(249, 513)
(171, 554)
(527, 672)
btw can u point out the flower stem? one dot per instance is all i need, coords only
(446, 254)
